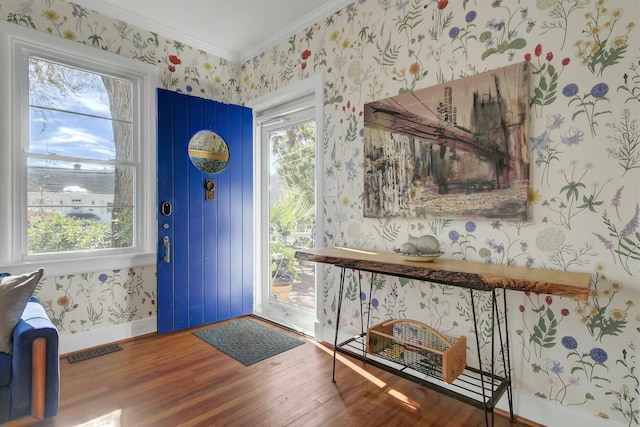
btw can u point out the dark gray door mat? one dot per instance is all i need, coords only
(94, 352)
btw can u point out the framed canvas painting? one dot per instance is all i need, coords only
(452, 151)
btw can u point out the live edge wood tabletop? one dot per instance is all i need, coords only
(467, 274)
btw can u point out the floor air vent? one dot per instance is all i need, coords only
(94, 352)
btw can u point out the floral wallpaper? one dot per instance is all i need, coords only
(89, 301)
(182, 67)
(585, 157)
(81, 302)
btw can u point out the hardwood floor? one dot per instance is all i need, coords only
(179, 380)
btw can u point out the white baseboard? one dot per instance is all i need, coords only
(552, 414)
(329, 333)
(318, 331)
(84, 340)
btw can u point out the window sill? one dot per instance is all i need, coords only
(83, 265)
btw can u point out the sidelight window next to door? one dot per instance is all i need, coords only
(288, 294)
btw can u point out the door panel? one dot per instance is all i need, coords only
(193, 193)
(179, 237)
(241, 244)
(164, 177)
(210, 242)
(224, 234)
(209, 275)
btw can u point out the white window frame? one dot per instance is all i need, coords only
(16, 43)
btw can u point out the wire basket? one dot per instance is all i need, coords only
(419, 347)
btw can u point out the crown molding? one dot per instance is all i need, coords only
(163, 30)
(237, 57)
(306, 21)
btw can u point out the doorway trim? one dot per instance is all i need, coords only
(313, 85)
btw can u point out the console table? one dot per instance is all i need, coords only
(481, 387)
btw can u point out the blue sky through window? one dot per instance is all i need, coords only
(69, 113)
(68, 134)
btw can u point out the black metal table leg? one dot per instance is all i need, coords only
(363, 331)
(477, 335)
(506, 355)
(335, 341)
(494, 310)
(359, 294)
(373, 275)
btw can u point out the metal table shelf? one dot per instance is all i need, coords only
(476, 388)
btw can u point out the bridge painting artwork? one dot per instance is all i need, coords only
(452, 151)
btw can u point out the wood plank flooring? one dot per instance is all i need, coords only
(179, 380)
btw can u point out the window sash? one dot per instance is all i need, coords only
(68, 111)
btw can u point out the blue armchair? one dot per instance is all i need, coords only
(29, 377)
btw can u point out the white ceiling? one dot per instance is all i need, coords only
(236, 30)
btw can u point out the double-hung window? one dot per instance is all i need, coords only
(77, 148)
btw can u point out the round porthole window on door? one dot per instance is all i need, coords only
(208, 151)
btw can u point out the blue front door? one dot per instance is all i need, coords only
(205, 247)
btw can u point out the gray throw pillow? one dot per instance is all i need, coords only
(15, 291)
